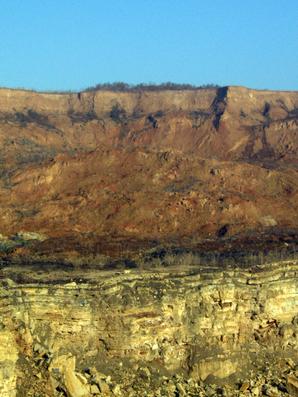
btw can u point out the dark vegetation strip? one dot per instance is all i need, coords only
(160, 257)
(125, 87)
(120, 86)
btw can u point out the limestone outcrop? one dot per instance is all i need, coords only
(200, 323)
(148, 243)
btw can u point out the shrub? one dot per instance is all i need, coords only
(117, 114)
(124, 87)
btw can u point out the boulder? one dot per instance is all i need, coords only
(292, 385)
(74, 386)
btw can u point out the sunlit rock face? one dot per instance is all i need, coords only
(96, 181)
(198, 322)
(159, 165)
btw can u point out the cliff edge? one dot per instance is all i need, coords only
(148, 165)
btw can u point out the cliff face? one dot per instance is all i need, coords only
(101, 102)
(197, 322)
(148, 164)
(227, 123)
(154, 184)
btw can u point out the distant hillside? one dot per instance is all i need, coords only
(136, 164)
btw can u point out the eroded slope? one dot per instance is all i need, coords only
(167, 164)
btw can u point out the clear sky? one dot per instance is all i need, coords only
(72, 44)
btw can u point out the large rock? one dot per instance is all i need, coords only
(73, 384)
(292, 385)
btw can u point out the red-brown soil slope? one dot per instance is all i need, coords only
(149, 165)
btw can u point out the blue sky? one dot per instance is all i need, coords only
(73, 44)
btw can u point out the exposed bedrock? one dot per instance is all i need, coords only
(197, 321)
(95, 181)
(162, 165)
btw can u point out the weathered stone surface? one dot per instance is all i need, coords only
(175, 165)
(222, 323)
(96, 181)
(292, 385)
(8, 361)
(75, 384)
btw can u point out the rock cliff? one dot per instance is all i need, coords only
(161, 165)
(200, 323)
(148, 243)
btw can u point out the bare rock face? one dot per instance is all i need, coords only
(160, 165)
(200, 323)
(148, 243)
(292, 382)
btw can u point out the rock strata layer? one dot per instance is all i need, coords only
(145, 333)
(148, 165)
(115, 208)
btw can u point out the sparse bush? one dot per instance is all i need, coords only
(118, 114)
(124, 87)
(152, 120)
(23, 119)
(78, 117)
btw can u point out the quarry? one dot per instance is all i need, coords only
(149, 243)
